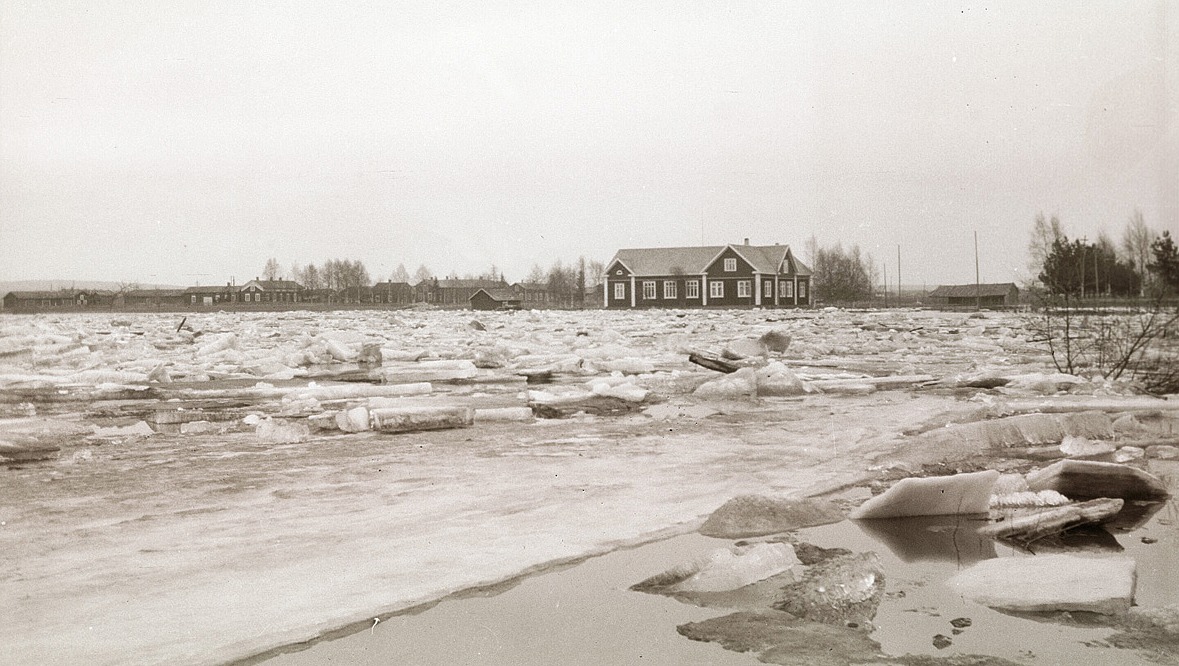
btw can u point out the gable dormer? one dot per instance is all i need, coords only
(729, 263)
(618, 270)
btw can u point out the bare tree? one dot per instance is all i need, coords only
(536, 275)
(422, 274)
(399, 274)
(594, 271)
(812, 250)
(1136, 239)
(842, 275)
(561, 283)
(1045, 232)
(492, 273)
(310, 277)
(272, 271)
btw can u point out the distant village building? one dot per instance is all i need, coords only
(213, 295)
(990, 295)
(453, 291)
(707, 276)
(532, 293)
(271, 291)
(320, 296)
(393, 293)
(142, 297)
(495, 299)
(45, 300)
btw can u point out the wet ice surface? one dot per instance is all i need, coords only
(585, 614)
(244, 528)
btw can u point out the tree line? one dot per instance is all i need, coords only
(565, 283)
(1143, 263)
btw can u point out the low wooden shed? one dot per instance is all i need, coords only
(495, 299)
(965, 295)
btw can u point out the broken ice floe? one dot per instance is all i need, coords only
(1051, 583)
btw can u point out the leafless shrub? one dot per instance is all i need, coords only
(1137, 341)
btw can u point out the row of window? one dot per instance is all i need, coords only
(716, 289)
(245, 298)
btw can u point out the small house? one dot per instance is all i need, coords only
(495, 299)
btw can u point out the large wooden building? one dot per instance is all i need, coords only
(969, 295)
(48, 300)
(271, 291)
(707, 276)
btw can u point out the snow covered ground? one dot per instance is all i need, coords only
(212, 491)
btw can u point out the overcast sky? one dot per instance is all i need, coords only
(187, 142)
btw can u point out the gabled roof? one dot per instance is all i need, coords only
(155, 292)
(695, 260)
(471, 284)
(390, 285)
(970, 290)
(500, 295)
(531, 286)
(274, 285)
(65, 293)
(212, 289)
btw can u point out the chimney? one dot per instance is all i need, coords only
(747, 241)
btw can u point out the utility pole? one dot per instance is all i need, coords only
(885, 267)
(898, 273)
(977, 282)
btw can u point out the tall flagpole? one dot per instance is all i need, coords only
(977, 284)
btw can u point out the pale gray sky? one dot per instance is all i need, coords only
(185, 142)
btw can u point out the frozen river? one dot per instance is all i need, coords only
(151, 539)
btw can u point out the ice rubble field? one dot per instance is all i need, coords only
(216, 490)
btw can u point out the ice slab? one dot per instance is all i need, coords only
(1050, 583)
(1087, 479)
(1042, 522)
(931, 496)
(724, 569)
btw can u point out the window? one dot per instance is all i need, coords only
(619, 291)
(669, 290)
(743, 288)
(730, 265)
(649, 290)
(787, 288)
(767, 290)
(716, 289)
(693, 288)
(802, 290)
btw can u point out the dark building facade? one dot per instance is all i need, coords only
(707, 276)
